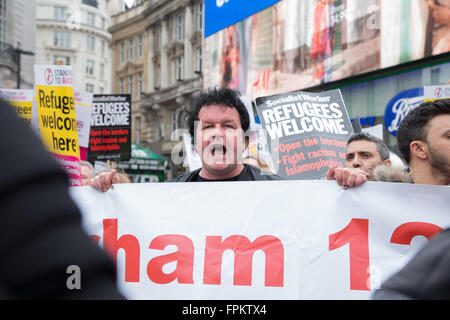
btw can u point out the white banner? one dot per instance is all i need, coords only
(291, 239)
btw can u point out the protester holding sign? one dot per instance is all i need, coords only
(424, 141)
(364, 153)
(219, 120)
(218, 123)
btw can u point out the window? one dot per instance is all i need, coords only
(103, 47)
(64, 60)
(61, 39)
(179, 68)
(199, 16)
(179, 28)
(92, 3)
(130, 50)
(130, 85)
(157, 77)
(158, 38)
(102, 70)
(199, 60)
(90, 19)
(140, 46)
(140, 84)
(90, 43)
(122, 85)
(60, 13)
(101, 90)
(174, 120)
(3, 9)
(89, 87)
(90, 67)
(138, 129)
(122, 52)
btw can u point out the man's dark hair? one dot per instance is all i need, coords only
(382, 148)
(221, 96)
(414, 125)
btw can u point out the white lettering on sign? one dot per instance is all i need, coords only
(220, 3)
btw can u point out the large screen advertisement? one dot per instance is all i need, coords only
(294, 45)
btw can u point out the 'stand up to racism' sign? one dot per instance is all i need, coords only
(307, 132)
(56, 118)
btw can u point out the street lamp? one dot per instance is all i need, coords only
(18, 54)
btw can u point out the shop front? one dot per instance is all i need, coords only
(144, 165)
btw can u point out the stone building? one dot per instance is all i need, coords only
(17, 33)
(157, 57)
(76, 33)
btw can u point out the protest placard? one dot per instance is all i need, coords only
(55, 110)
(274, 240)
(20, 100)
(83, 110)
(432, 93)
(307, 132)
(110, 134)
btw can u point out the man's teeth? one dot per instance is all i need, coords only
(218, 150)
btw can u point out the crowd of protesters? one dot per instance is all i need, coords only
(423, 139)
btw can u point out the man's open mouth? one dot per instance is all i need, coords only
(218, 150)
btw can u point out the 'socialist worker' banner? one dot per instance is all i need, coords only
(110, 136)
(20, 100)
(307, 132)
(275, 240)
(57, 119)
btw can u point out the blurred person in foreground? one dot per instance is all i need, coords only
(424, 140)
(40, 231)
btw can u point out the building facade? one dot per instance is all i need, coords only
(129, 47)
(76, 33)
(17, 34)
(157, 57)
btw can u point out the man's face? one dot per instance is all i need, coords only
(362, 154)
(86, 174)
(438, 141)
(219, 139)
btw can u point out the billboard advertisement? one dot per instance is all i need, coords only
(294, 45)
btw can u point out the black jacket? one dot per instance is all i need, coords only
(426, 276)
(40, 225)
(255, 175)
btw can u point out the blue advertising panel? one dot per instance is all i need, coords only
(399, 106)
(220, 14)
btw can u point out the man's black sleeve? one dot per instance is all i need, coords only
(40, 225)
(426, 276)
